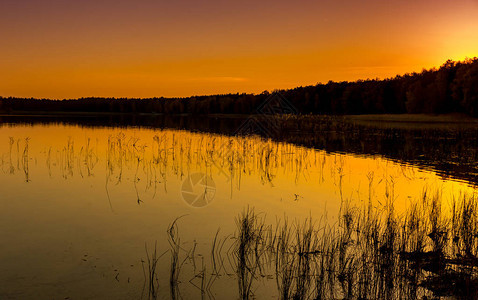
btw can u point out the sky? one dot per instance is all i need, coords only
(144, 48)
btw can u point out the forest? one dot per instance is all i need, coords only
(451, 88)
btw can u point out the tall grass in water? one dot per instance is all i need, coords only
(165, 154)
(151, 279)
(177, 261)
(251, 243)
(174, 242)
(429, 252)
(26, 161)
(368, 254)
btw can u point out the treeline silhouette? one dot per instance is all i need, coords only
(451, 88)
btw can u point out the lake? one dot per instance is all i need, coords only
(113, 210)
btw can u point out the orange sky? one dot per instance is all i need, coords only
(146, 48)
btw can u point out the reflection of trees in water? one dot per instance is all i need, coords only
(451, 149)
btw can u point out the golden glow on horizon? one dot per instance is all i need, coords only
(153, 49)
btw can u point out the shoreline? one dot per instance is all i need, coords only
(414, 118)
(452, 118)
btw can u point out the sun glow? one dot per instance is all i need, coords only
(181, 49)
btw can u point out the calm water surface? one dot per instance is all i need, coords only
(80, 205)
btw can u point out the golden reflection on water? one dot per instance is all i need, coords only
(154, 162)
(69, 191)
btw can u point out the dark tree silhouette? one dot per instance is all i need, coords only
(451, 88)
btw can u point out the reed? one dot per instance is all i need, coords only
(367, 254)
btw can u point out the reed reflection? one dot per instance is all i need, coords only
(149, 164)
